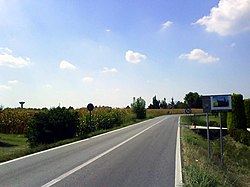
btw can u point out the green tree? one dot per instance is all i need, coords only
(247, 111)
(179, 104)
(164, 104)
(156, 104)
(138, 107)
(172, 105)
(1, 107)
(236, 119)
(193, 100)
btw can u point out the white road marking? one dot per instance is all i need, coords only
(178, 165)
(58, 179)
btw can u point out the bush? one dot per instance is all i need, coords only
(240, 135)
(237, 119)
(247, 111)
(52, 125)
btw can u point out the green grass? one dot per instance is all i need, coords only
(200, 171)
(12, 145)
(200, 120)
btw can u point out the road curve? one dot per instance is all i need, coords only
(139, 155)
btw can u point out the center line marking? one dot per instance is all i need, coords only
(58, 179)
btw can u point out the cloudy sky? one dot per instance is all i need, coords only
(72, 52)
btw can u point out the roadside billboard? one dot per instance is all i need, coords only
(216, 103)
(221, 103)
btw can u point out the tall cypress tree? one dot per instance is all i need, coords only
(236, 119)
(247, 111)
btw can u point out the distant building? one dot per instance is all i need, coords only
(21, 103)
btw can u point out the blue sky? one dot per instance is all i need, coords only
(72, 52)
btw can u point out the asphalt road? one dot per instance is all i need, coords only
(139, 155)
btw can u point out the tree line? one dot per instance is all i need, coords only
(191, 100)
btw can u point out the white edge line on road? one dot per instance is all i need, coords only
(58, 179)
(80, 141)
(178, 165)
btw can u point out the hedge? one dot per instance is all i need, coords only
(52, 125)
(236, 119)
(240, 135)
(247, 111)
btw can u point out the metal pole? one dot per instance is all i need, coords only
(90, 121)
(221, 143)
(208, 138)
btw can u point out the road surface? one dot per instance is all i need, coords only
(139, 155)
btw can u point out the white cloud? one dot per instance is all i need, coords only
(4, 87)
(108, 30)
(87, 79)
(167, 24)
(109, 71)
(5, 50)
(13, 81)
(199, 56)
(134, 57)
(229, 18)
(66, 65)
(8, 60)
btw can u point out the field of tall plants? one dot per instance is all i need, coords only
(15, 121)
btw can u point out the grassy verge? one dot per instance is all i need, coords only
(200, 171)
(12, 146)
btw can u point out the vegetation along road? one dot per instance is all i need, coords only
(138, 155)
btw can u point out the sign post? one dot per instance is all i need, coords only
(206, 105)
(221, 143)
(216, 103)
(90, 107)
(208, 137)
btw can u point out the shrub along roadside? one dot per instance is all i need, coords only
(52, 125)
